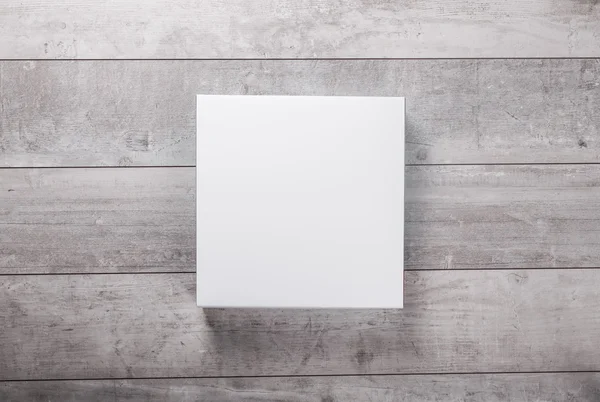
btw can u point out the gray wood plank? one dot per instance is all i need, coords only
(583, 387)
(143, 219)
(131, 325)
(97, 220)
(143, 112)
(307, 28)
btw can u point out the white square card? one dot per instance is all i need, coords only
(300, 201)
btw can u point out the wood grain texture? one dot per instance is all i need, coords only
(143, 112)
(97, 220)
(127, 326)
(583, 387)
(143, 219)
(304, 28)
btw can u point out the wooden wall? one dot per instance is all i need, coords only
(97, 219)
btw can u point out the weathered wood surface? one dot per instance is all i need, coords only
(131, 325)
(559, 387)
(306, 28)
(97, 220)
(143, 112)
(143, 219)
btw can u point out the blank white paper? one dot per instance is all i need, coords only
(300, 201)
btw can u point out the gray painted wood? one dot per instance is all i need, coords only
(307, 28)
(583, 387)
(97, 220)
(143, 219)
(131, 325)
(143, 112)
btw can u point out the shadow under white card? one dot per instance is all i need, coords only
(300, 201)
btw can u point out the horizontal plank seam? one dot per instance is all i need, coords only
(407, 165)
(312, 59)
(118, 225)
(98, 167)
(193, 272)
(504, 164)
(306, 376)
